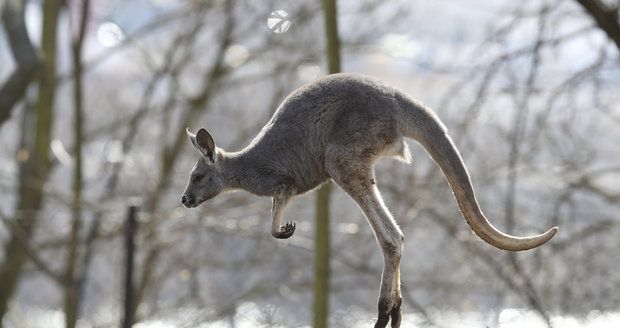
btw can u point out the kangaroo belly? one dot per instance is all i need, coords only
(399, 150)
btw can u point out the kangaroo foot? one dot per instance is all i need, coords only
(389, 310)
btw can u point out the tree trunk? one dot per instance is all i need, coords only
(321, 257)
(35, 169)
(322, 243)
(72, 272)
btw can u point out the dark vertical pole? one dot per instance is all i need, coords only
(330, 10)
(322, 240)
(130, 232)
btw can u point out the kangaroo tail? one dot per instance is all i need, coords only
(421, 124)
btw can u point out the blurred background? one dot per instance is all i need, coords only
(95, 97)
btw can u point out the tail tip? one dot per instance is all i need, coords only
(549, 234)
(553, 231)
(543, 238)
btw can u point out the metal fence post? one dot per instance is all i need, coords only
(130, 231)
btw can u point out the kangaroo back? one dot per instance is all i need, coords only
(422, 125)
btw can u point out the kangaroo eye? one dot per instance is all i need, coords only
(198, 178)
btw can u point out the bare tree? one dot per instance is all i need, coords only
(72, 272)
(537, 136)
(35, 169)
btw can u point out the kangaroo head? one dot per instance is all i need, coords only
(206, 180)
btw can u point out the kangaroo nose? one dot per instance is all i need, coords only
(183, 200)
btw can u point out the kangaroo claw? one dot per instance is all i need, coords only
(286, 230)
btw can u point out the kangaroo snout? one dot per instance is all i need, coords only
(187, 201)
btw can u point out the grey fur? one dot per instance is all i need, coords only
(337, 127)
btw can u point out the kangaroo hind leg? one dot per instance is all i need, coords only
(357, 181)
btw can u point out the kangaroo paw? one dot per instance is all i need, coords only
(285, 231)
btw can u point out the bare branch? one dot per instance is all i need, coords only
(605, 18)
(25, 57)
(32, 255)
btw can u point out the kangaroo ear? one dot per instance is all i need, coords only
(191, 136)
(203, 141)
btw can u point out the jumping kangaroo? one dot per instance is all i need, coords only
(336, 128)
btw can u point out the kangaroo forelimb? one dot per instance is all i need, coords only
(280, 199)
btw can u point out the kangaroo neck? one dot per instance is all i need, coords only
(242, 170)
(235, 169)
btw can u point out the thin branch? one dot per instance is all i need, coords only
(151, 26)
(32, 255)
(499, 269)
(590, 231)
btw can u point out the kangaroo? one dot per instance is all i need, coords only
(336, 128)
